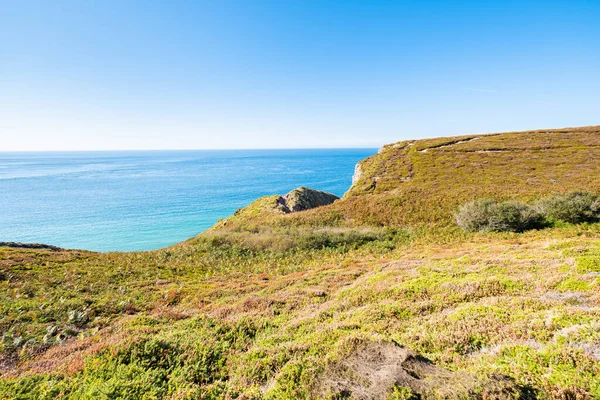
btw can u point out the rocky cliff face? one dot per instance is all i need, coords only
(357, 174)
(304, 198)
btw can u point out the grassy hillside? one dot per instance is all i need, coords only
(324, 302)
(420, 183)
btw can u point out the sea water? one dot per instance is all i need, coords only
(144, 200)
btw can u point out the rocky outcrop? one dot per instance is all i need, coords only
(299, 199)
(357, 174)
(30, 246)
(304, 198)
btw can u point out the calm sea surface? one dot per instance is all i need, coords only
(124, 201)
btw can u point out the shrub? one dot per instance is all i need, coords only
(574, 207)
(491, 216)
(403, 393)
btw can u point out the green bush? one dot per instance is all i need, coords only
(574, 207)
(403, 393)
(491, 216)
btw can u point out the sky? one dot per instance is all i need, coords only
(176, 74)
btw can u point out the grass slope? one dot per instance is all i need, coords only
(421, 183)
(265, 304)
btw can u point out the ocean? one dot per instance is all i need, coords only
(145, 200)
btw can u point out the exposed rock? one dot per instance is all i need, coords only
(357, 174)
(30, 246)
(374, 369)
(304, 199)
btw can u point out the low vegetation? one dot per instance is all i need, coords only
(491, 216)
(574, 207)
(272, 305)
(511, 216)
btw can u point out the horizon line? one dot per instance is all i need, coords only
(179, 149)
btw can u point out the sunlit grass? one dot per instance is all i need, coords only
(261, 305)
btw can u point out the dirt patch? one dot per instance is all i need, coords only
(374, 369)
(567, 297)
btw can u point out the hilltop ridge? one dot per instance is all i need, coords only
(540, 153)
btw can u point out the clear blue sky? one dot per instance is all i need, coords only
(125, 74)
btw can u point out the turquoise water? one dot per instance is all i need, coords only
(121, 201)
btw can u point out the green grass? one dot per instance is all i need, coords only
(262, 304)
(157, 329)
